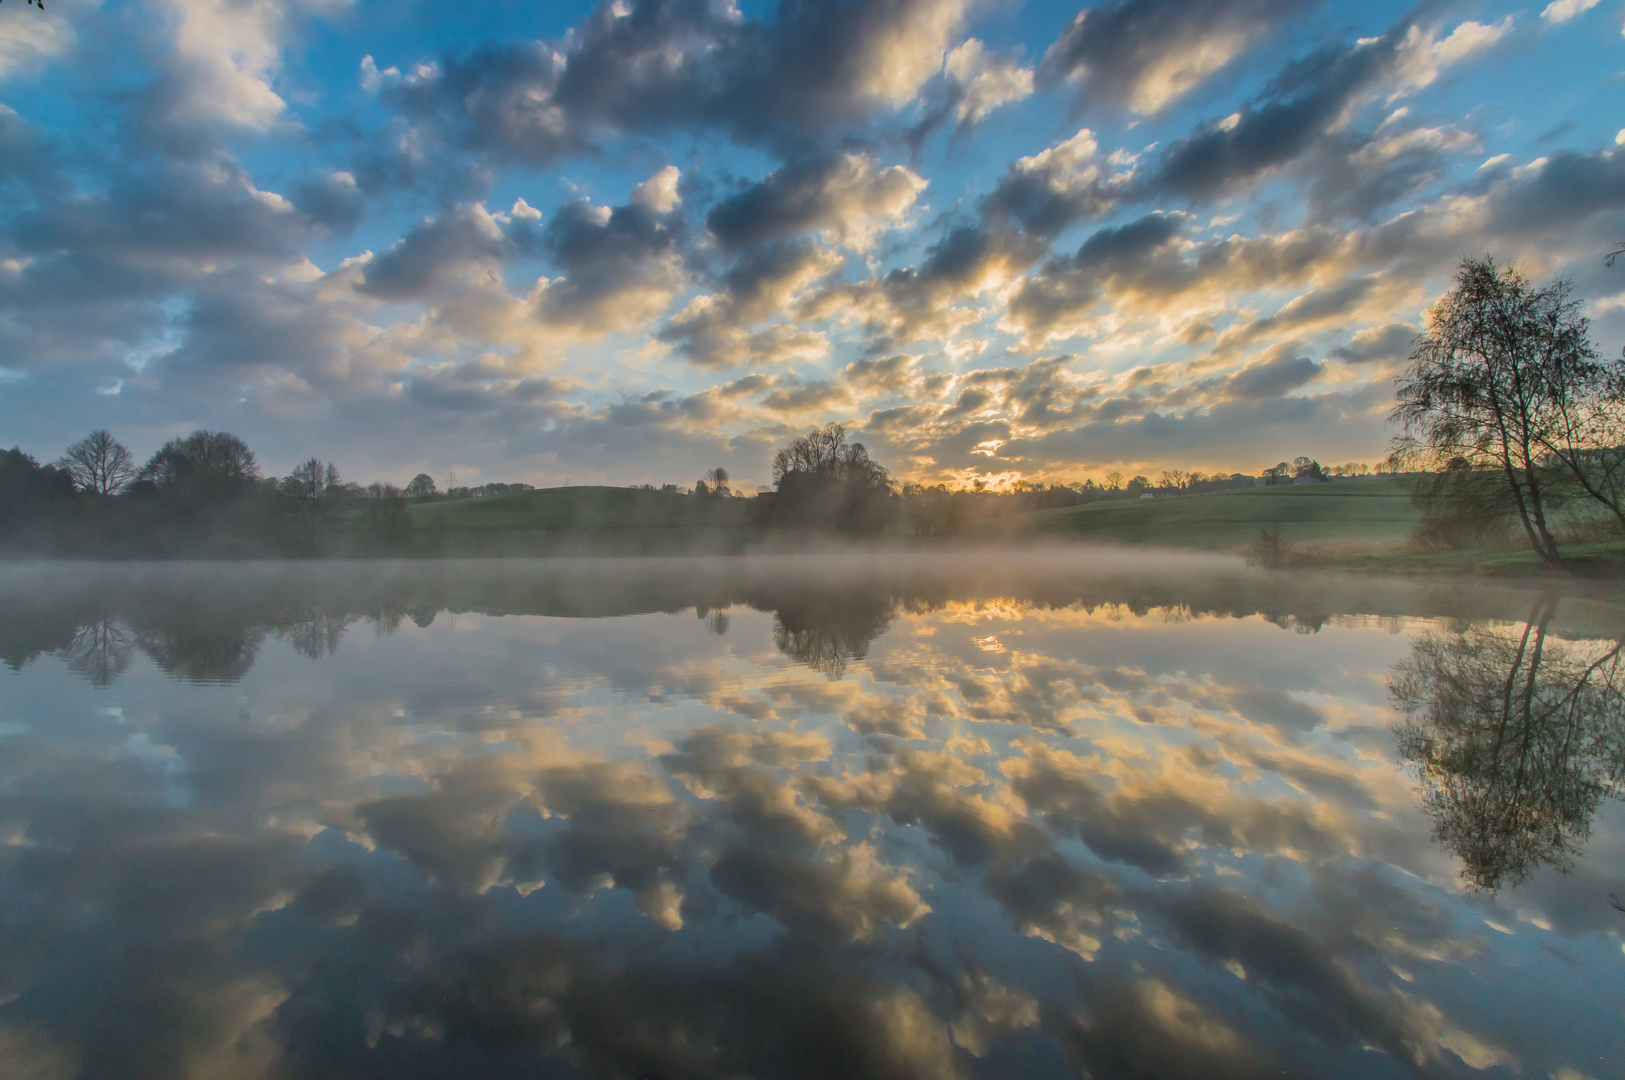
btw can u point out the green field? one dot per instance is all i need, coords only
(583, 521)
(1360, 525)
(1345, 514)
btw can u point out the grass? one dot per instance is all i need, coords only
(1604, 559)
(1345, 514)
(1358, 525)
(583, 521)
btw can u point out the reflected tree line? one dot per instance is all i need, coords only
(1518, 737)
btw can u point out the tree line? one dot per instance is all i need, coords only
(199, 494)
(205, 494)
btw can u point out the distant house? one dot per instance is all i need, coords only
(1148, 495)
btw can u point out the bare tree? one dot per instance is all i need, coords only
(313, 480)
(99, 463)
(1478, 392)
(718, 479)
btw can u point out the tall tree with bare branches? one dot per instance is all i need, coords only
(99, 463)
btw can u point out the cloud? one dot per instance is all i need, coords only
(1308, 100)
(1048, 191)
(332, 200)
(843, 196)
(438, 253)
(769, 281)
(1561, 11)
(29, 43)
(1272, 378)
(621, 266)
(931, 302)
(654, 65)
(1118, 257)
(217, 71)
(1145, 54)
(1389, 343)
(983, 82)
(1363, 173)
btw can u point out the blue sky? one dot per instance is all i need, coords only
(626, 242)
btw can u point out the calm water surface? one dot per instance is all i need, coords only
(1080, 815)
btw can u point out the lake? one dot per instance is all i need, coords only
(978, 814)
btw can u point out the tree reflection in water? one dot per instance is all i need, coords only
(100, 651)
(827, 630)
(1519, 737)
(217, 651)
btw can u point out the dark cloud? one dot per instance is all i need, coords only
(1046, 193)
(1145, 54)
(839, 192)
(725, 329)
(1124, 252)
(918, 303)
(333, 200)
(1358, 174)
(1569, 187)
(658, 64)
(437, 253)
(620, 266)
(1295, 110)
(1315, 306)
(96, 266)
(1382, 343)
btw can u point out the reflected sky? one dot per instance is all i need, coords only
(804, 818)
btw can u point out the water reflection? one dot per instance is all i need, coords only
(101, 650)
(1519, 736)
(873, 820)
(828, 629)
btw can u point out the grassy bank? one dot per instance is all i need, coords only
(1355, 525)
(1348, 514)
(583, 521)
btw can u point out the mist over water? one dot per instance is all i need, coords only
(973, 814)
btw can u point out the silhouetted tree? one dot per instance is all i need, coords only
(823, 482)
(1519, 737)
(1503, 380)
(205, 464)
(98, 463)
(422, 484)
(34, 499)
(718, 479)
(23, 479)
(1308, 470)
(313, 480)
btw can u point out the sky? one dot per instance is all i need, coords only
(627, 242)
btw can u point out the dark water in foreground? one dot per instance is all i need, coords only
(800, 818)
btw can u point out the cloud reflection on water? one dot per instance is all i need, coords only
(1151, 834)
